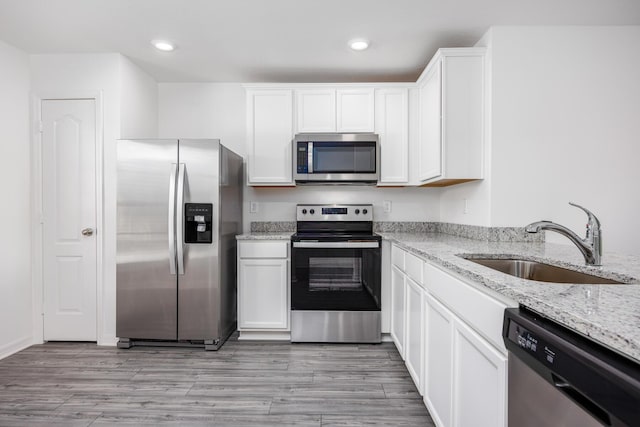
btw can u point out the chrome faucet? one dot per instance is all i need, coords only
(590, 246)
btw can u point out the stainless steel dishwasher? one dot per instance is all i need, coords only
(560, 378)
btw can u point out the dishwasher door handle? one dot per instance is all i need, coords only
(587, 404)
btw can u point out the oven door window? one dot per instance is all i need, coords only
(344, 157)
(335, 279)
(335, 274)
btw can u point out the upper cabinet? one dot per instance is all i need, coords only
(392, 127)
(316, 110)
(355, 110)
(451, 101)
(269, 136)
(335, 110)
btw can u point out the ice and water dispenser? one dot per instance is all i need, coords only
(197, 222)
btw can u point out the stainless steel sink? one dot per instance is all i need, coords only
(541, 272)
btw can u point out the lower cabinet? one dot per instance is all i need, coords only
(465, 375)
(479, 380)
(398, 309)
(263, 286)
(438, 361)
(448, 333)
(414, 332)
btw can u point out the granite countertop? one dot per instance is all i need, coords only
(276, 235)
(608, 314)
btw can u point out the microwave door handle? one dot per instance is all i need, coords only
(310, 158)
(172, 219)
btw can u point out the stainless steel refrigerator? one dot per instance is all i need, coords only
(179, 210)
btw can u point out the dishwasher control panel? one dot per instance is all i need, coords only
(530, 343)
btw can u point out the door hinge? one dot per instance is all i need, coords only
(40, 126)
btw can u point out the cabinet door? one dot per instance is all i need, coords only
(414, 335)
(355, 112)
(438, 361)
(392, 127)
(269, 136)
(263, 294)
(480, 380)
(430, 140)
(397, 309)
(316, 110)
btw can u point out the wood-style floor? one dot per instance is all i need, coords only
(244, 383)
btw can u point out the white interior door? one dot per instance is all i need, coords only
(69, 216)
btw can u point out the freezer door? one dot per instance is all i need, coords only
(146, 299)
(198, 263)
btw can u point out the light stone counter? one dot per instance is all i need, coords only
(608, 314)
(265, 236)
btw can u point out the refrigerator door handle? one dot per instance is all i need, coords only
(180, 217)
(172, 219)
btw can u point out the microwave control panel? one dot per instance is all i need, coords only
(302, 162)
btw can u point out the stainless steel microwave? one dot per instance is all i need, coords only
(336, 158)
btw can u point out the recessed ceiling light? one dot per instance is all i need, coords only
(359, 44)
(163, 45)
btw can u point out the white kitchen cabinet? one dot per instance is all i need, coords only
(465, 359)
(316, 110)
(263, 285)
(269, 136)
(355, 110)
(398, 309)
(479, 380)
(392, 127)
(335, 110)
(438, 372)
(414, 332)
(451, 119)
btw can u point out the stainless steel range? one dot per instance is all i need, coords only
(335, 275)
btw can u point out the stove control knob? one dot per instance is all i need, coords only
(357, 211)
(304, 211)
(364, 211)
(312, 211)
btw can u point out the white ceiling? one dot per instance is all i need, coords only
(284, 40)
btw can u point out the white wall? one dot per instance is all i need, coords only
(129, 105)
(203, 110)
(138, 102)
(15, 217)
(566, 103)
(218, 110)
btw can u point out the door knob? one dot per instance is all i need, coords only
(87, 232)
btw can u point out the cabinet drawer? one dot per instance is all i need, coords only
(397, 257)
(413, 267)
(264, 249)
(482, 312)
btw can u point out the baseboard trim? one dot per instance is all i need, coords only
(108, 341)
(264, 336)
(15, 346)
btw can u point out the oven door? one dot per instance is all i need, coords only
(335, 276)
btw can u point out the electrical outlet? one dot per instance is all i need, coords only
(465, 209)
(253, 207)
(387, 206)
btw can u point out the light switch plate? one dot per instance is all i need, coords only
(253, 207)
(387, 206)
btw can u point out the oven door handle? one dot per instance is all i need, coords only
(335, 245)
